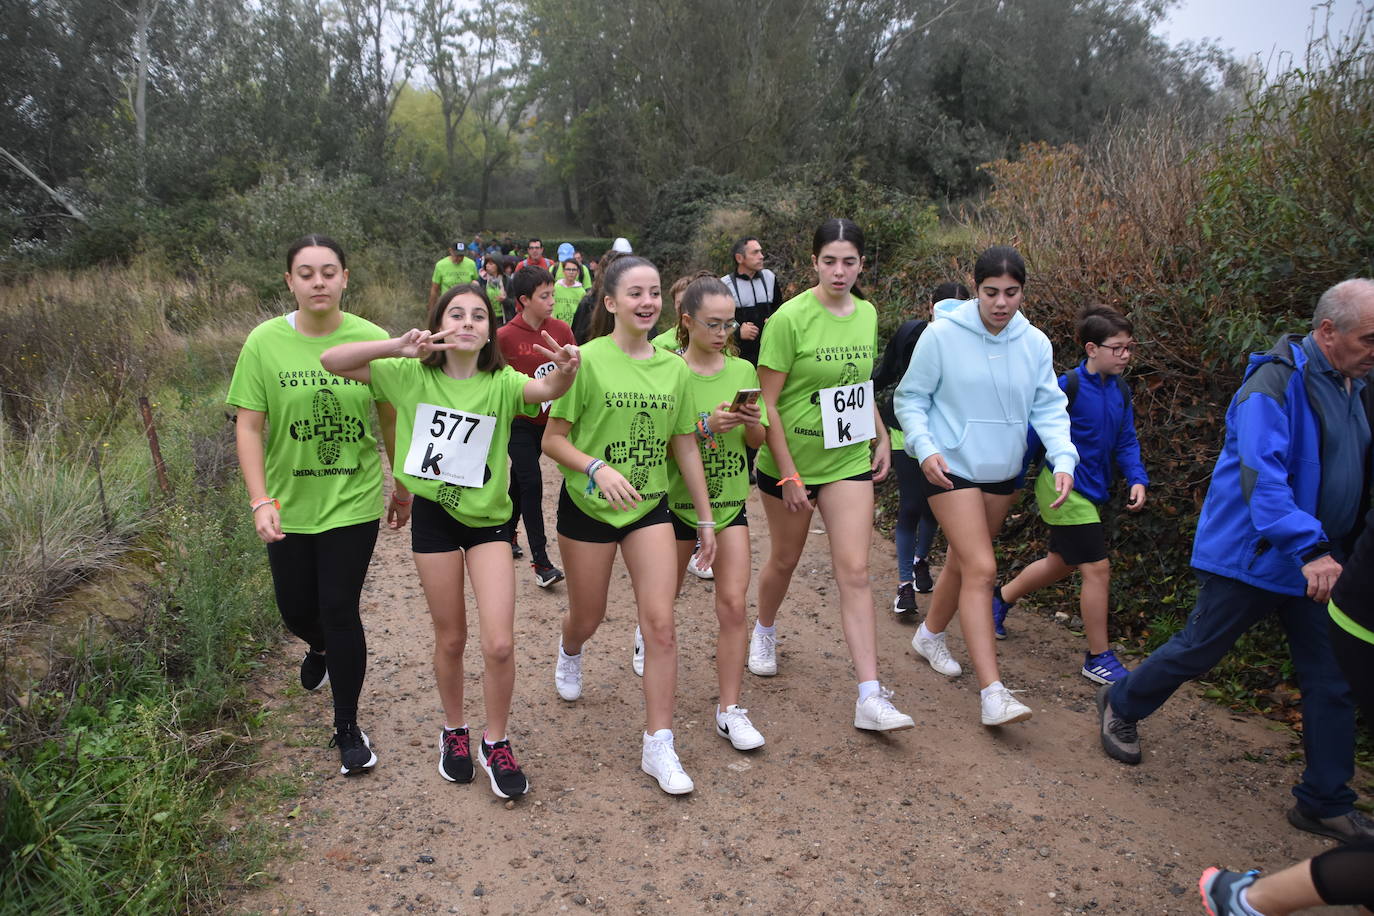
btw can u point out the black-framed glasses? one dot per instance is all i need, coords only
(715, 327)
(1119, 351)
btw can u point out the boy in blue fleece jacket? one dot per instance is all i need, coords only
(1103, 430)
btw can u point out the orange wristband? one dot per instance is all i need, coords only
(257, 504)
(795, 478)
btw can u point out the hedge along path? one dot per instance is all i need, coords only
(948, 818)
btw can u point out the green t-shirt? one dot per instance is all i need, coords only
(898, 438)
(1077, 509)
(623, 411)
(586, 276)
(727, 466)
(817, 350)
(322, 463)
(436, 407)
(667, 341)
(565, 300)
(448, 274)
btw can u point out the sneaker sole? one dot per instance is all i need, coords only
(1204, 887)
(371, 762)
(669, 791)
(542, 583)
(491, 775)
(875, 727)
(1101, 701)
(569, 699)
(320, 684)
(1019, 717)
(1314, 826)
(637, 666)
(898, 609)
(1096, 678)
(1002, 635)
(747, 747)
(763, 672)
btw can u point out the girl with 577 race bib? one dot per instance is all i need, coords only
(455, 398)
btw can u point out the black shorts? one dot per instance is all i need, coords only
(577, 525)
(1001, 488)
(1077, 544)
(773, 487)
(433, 530)
(685, 532)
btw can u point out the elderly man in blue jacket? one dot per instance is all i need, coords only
(1283, 508)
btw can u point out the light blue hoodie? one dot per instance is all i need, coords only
(968, 395)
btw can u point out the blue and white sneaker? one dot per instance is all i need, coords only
(999, 615)
(1220, 890)
(1103, 669)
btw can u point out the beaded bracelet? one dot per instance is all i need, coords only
(705, 523)
(257, 504)
(596, 465)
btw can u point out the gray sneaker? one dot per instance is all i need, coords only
(1119, 738)
(1351, 827)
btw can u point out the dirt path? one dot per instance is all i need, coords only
(949, 818)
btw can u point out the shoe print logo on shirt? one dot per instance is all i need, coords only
(450, 495)
(328, 427)
(848, 376)
(720, 465)
(642, 450)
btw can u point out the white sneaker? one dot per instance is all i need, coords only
(933, 649)
(697, 571)
(876, 713)
(1000, 707)
(567, 675)
(733, 723)
(660, 761)
(637, 660)
(763, 654)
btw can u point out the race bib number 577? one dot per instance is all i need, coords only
(847, 414)
(449, 445)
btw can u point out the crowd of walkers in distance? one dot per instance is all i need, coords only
(660, 436)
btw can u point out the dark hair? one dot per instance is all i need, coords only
(999, 261)
(949, 290)
(1098, 322)
(532, 241)
(573, 261)
(839, 229)
(693, 296)
(489, 358)
(741, 243)
(310, 241)
(606, 283)
(526, 280)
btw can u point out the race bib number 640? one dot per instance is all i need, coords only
(449, 445)
(847, 414)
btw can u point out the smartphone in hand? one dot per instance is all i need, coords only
(745, 397)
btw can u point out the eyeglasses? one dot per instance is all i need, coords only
(715, 327)
(1120, 351)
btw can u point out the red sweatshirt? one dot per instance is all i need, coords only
(517, 341)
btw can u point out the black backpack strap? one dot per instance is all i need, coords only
(1071, 387)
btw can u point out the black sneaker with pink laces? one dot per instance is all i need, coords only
(455, 755)
(507, 779)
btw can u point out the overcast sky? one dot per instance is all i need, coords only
(1256, 27)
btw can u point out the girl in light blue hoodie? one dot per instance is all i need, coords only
(978, 375)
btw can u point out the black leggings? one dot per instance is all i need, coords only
(1344, 876)
(527, 485)
(318, 579)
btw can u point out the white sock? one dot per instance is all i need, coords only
(562, 654)
(1245, 902)
(867, 689)
(763, 630)
(451, 728)
(663, 734)
(995, 685)
(923, 633)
